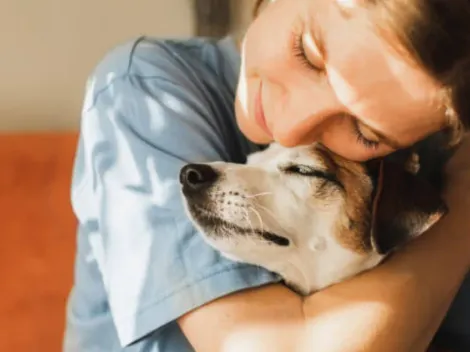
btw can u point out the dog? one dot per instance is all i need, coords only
(308, 214)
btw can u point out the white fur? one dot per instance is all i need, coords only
(286, 205)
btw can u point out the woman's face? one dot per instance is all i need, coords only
(312, 71)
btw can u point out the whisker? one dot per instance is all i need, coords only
(230, 168)
(258, 215)
(271, 214)
(247, 217)
(259, 194)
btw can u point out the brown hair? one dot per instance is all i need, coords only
(436, 34)
(257, 7)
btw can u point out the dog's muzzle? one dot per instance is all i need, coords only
(197, 178)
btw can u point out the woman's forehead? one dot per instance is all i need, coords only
(372, 77)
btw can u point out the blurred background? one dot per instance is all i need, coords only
(47, 50)
(49, 47)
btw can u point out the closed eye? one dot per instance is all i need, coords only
(309, 171)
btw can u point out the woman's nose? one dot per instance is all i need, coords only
(305, 116)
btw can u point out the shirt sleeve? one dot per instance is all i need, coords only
(142, 120)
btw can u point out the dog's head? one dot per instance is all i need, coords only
(311, 216)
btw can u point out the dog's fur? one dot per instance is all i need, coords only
(307, 214)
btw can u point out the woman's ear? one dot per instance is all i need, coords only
(404, 206)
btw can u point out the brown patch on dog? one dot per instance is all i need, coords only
(326, 158)
(404, 205)
(353, 228)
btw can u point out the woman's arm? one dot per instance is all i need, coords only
(395, 307)
(399, 305)
(269, 318)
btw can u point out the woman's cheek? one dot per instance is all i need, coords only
(347, 146)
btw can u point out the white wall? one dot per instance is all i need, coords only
(48, 47)
(242, 11)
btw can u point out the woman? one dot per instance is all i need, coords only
(365, 78)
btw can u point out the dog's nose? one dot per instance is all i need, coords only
(197, 177)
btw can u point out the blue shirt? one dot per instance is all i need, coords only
(150, 107)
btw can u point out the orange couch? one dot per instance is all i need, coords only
(37, 239)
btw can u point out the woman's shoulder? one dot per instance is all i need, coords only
(190, 63)
(158, 89)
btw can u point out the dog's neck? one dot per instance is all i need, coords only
(317, 259)
(307, 272)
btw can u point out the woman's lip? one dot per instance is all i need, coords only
(259, 112)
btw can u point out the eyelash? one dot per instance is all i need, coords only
(363, 140)
(299, 52)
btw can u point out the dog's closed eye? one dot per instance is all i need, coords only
(309, 171)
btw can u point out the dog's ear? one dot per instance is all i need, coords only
(403, 207)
